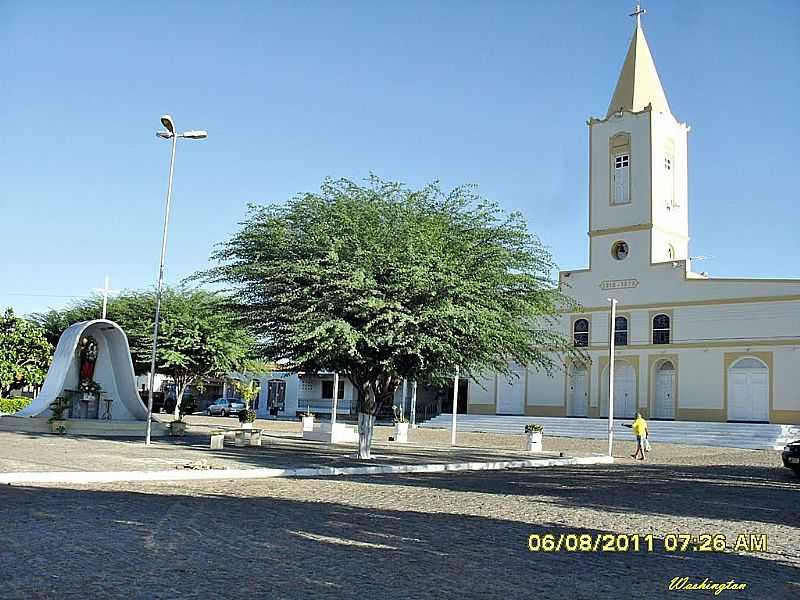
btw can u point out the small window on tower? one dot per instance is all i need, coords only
(669, 181)
(621, 177)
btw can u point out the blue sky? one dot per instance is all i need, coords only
(492, 93)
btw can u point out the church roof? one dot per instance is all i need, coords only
(638, 83)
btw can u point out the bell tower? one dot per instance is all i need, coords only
(638, 204)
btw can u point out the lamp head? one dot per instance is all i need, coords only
(193, 134)
(166, 120)
(164, 134)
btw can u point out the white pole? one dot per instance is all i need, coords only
(455, 409)
(405, 394)
(105, 297)
(335, 400)
(612, 331)
(413, 404)
(158, 293)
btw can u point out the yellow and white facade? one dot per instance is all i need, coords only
(689, 346)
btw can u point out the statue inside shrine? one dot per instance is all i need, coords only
(88, 358)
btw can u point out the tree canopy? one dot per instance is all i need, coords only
(382, 282)
(25, 353)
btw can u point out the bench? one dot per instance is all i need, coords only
(241, 437)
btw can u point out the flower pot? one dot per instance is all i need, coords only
(58, 426)
(401, 432)
(308, 423)
(534, 441)
(246, 425)
(177, 428)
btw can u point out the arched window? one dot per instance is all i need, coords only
(621, 331)
(661, 329)
(580, 331)
(749, 363)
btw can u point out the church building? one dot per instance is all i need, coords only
(688, 346)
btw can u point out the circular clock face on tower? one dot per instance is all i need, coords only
(619, 250)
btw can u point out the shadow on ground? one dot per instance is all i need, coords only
(725, 492)
(60, 543)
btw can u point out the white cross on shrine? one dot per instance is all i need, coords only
(105, 290)
(638, 14)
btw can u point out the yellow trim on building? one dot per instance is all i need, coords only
(545, 410)
(667, 305)
(701, 344)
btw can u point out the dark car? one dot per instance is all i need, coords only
(225, 407)
(791, 456)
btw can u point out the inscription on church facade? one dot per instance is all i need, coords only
(618, 284)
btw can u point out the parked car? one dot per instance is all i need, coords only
(225, 407)
(791, 456)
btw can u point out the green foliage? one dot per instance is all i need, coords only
(246, 416)
(12, 405)
(381, 282)
(534, 428)
(25, 353)
(57, 408)
(198, 335)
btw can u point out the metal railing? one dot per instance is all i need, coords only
(324, 405)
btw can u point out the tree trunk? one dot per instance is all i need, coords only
(366, 426)
(179, 389)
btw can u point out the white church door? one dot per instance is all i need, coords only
(665, 391)
(748, 391)
(579, 394)
(511, 396)
(624, 390)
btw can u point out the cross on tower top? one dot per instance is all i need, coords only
(638, 14)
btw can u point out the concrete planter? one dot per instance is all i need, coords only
(217, 440)
(58, 426)
(401, 433)
(177, 428)
(308, 423)
(534, 441)
(246, 425)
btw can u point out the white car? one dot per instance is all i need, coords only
(225, 407)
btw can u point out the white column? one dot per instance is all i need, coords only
(413, 404)
(611, 331)
(403, 398)
(455, 409)
(335, 400)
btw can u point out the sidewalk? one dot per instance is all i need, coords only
(281, 454)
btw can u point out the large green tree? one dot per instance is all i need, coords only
(198, 334)
(25, 353)
(381, 282)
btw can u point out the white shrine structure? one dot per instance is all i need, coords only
(92, 377)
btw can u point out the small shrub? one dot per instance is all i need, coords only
(58, 408)
(247, 416)
(533, 428)
(12, 405)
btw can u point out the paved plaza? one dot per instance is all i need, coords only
(449, 535)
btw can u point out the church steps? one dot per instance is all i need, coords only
(733, 435)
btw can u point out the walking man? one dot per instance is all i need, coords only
(639, 427)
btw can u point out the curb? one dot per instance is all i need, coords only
(217, 474)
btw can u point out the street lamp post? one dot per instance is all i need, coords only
(611, 335)
(169, 134)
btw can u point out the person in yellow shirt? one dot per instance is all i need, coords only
(639, 427)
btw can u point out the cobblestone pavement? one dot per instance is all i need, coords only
(458, 536)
